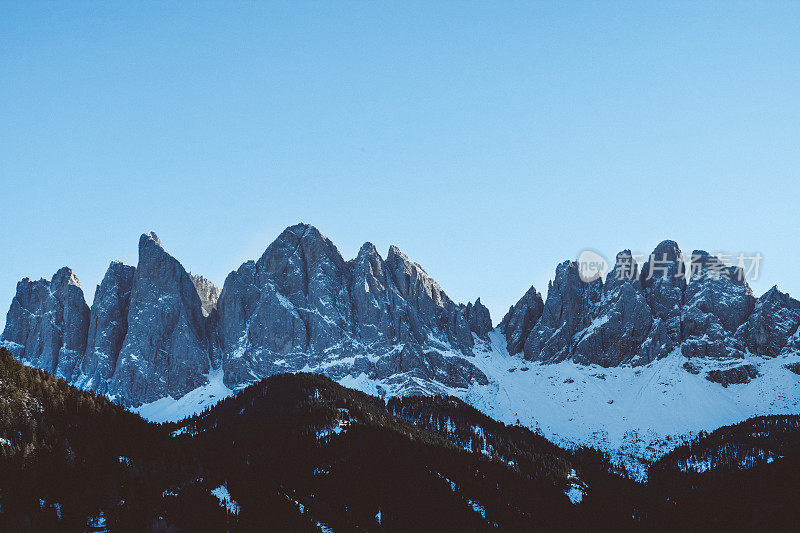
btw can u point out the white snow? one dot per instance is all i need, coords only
(596, 323)
(575, 494)
(194, 402)
(334, 430)
(477, 507)
(225, 499)
(577, 488)
(284, 301)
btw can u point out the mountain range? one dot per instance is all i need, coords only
(619, 362)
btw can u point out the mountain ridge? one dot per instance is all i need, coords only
(155, 332)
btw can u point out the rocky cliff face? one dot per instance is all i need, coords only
(520, 319)
(48, 322)
(623, 321)
(570, 306)
(480, 322)
(772, 326)
(208, 292)
(156, 330)
(167, 349)
(284, 310)
(108, 325)
(717, 301)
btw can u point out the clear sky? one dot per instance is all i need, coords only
(489, 141)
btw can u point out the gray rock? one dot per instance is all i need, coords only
(623, 323)
(208, 292)
(47, 323)
(166, 351)
(301, 306)
(717, 301)
(691, 367)
(520, 319)
(108, 325)
(157, 331)
(379, 310)
(479, 319)
(569, 308)
(442, 320)
(792, 343)
(769, 328)
(736, 375)
(663, 279)
(285, 310)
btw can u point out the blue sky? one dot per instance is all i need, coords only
(488, 141)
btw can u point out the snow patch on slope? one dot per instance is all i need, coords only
(194, 402)
(225, 499)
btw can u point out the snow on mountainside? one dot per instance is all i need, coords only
(636, 414)
(169, 409)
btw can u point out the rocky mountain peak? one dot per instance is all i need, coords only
(566, 311)
(65, 276)
(624, 271)
(664, 264)
(619, 323)
(300, 246)
(774, 295)
(769, 328)
(149, 237)
(167, 349)
(663, 279)
(367, 249)
(157, 330)
(208, 292)
(520, 319)
(480, 322)
(47, 322)
(412, 280)
(716, 301)
(108, 325)
(705, 265)
(625, 266)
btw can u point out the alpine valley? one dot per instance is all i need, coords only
(612, 403)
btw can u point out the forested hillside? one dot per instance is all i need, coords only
(299, 452)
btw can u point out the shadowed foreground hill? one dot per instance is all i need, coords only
(303, 442)
(66, 455)
(299, 452)
(293, 451)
